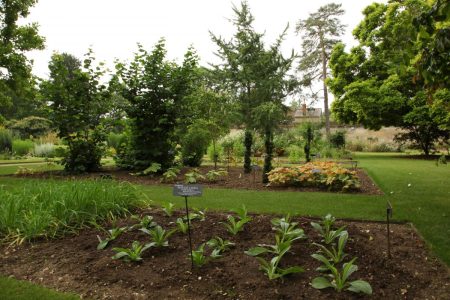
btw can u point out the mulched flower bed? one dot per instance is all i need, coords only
(74, 264)
(236, 179)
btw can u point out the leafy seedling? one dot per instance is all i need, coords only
(159, 236)
(132, 254)
(214, 175)
(325, 229)
(181, 225)
(234, 226)
(219, 244)
(144, 222)
(193, 177)
(338, 279)
(287, 230)
(335, 254)
(200, 258)
(168, 208)
(112, 235)
(170, 175)
(152, 169)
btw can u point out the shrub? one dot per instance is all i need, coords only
(22, 147)
(61, 151)
(5, 140)
(31, 126)
(337, 139)
(44, 150)
(83, 156)
(328, 175)
(194, 146)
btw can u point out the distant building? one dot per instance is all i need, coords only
(306, 114)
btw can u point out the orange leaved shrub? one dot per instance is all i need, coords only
(326, 175)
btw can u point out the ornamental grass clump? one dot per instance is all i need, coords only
(324, 175)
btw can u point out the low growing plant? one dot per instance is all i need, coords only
(338, 279)
(181, 225)
(220, 244)
(214, 175)
(335, 254)
(144, 222)
(168, 208)
(170, 175)
(287, 230)
(160, 236)
(325, 229)
(233, 226)
(151, 170)
(112, 235)
(200, 258)
(132, 254)
(193, 177)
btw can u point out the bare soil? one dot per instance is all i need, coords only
(74, 264)
(236, 179)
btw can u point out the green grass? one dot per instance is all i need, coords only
(51, 208)
(35, 167)
(11, 289)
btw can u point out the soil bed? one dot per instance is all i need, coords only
(74, 264)
(236, 179)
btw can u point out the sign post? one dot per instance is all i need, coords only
(255, 168)
(188, 190)
(388, 217)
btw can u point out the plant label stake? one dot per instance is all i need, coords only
(188, 190)
(388, 217)
(255, 168)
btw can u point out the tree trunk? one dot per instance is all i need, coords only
(268, 143)
(215, 154)
(248, 140)
(325, 89)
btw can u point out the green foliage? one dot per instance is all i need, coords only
(53, 208)
(168, 208)
(295, 153)
(181, 225)
(376, 83)
(193, 176)
(214, 175)
(132, 254)
(338, 279)
(115, 140)
(79, 101)
(337, 139)
(151, 170)
(217, 153)
(144, 222)
(113, 234)
(160, 236)
(170, 175)
(5, 140)
(220, 244)
(44, 150)
(235, 226)
(194, 144)
(271, 267)
(17, 84)
(22, 147)
(287, 230)
(325, 229)
(154, 89)
(31, 127)
(335, 253)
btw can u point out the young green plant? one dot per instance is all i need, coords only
(168, 208)
(338, 279)
(112, 235)
(325, 229)
(132, 254)
(160, 237)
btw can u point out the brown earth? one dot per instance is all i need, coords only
(236, 179)
(74, 264)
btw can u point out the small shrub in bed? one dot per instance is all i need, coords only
(327, 175)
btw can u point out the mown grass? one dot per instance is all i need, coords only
(11, 289)
(52, 208)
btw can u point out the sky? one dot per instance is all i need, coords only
(112, 28)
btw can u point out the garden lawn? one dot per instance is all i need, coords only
(11, 289)
(418, 190)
